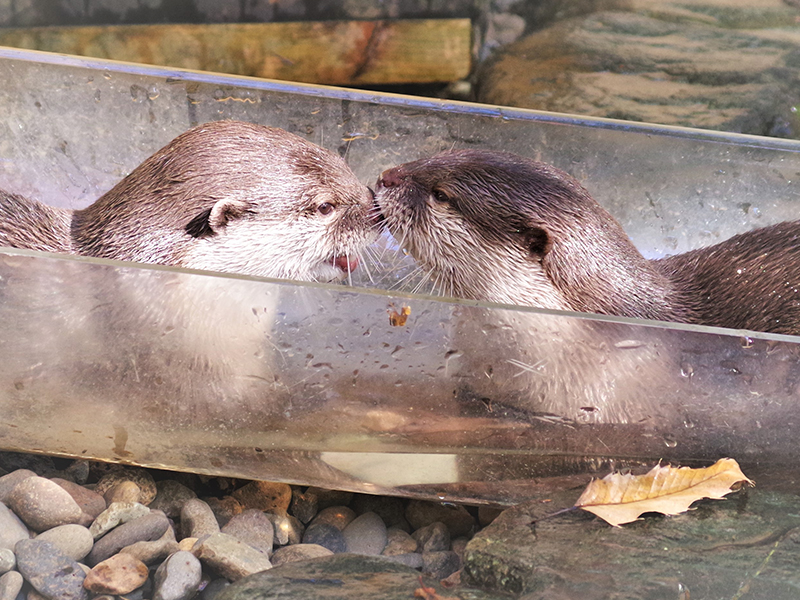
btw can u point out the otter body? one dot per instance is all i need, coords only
(499, 227)
(224, 196)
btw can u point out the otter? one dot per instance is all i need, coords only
(503, 228)
(225, 196)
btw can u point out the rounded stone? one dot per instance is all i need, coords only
(328, 498)
(456, 518)
(10, 585)
(366, 534)
(51, 572)
(398, 542)
(91, 502)
(144, 529)
(253, 528)
(327, 536)
(432, 538)
(298, 552)
(117, 513)
(388, 508)
(141, 477)
(229, 557)
(170, 497)
(304, 505)
(9, 481)
(12, 529)
(197, 519)
(124, 491)
(288, 529)
(7, 560)
(224, 508)
(118, 574)
(264, 495)
(440, 565)
(42, 504)
(214, 588)
(73, 540)
(156, 550)
(338, 516)
(409, 559)
(178, 577)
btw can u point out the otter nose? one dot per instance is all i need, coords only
(391, 178)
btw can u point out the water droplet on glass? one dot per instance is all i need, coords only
(688, 423)
(106, 74)
(670, 442)
(153, 93)
(97, 96)
(627, 344)
(687, 370)
(746, 342)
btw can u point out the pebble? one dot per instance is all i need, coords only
(12, 529)
(398, 542)
(264, 495)
(304, 505)
(170, 497)
(73, 540)
(409, 559)
(187, 543)
(178, 577)
(366, 534)
(457, 519)
(7, 560)
(432, 538)
(224, 508)
(152, 552)
(91, 503)
(299, 552)
(328, 498)
(325, 535)
(253, 528)
(230, 557)
(338, 516)
(141, 477)
(459, 546)
(440, 564)
(52, 573)
(487, 514)
(390, 509)
(42, 504)
(147, 528)
(9, 481)
(116, 514)
(213, 589)
(10, 585)
(124, 491)
(288, 529)
(197, 519)
(119, 574)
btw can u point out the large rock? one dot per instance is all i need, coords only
(703, 63)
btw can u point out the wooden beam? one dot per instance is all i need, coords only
(325, 52)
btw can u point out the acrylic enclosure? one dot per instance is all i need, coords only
(310, 383)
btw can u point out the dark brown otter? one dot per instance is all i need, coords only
(224, 196)
(500, 227)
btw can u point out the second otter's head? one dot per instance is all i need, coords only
(235, 197)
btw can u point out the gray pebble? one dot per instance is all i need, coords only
(304, 505)
(298, 552)
(141, 477)
(147, 528)
(171, 496)
(91, 503)
(155, 551)
(457, 518)
(197, 519)
(9, 482)
(12, 529)
(459, 546)
(51, 572)
(432, 538)
(440, 564)
(230, 557)
(325, 535)
(119, 512)
(253, 528)
(338, 516)
(10, 585)
(410, 559)
(328, 498)
(178, 577)
(398, 542)
(212, 590)
(366, 534)
(73, 540)
(42, 504)
(288, 529)
(7, 560)
(388, 508)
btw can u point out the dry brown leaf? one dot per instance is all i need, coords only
(398, 319)
(669, 490)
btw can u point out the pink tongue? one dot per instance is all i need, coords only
(348, 266)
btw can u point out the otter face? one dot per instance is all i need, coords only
(468, 217)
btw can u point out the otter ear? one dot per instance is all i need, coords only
(213, 220)
(537, 240)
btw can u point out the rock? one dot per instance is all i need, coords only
(7, 560)
(328, 498)
(297, 552)
(343, 577)
(229, 557)
(152, 552)
(487, 514)
(187, 544)
(91, 503)
(12, 529)
(325, 535)
(715, 65)
(73, 540)
(366, 534)
(440, 564)
(119, 512)
(9, 481)
(338, 516)
(304, 506)
(52, 573)
(224, 508)
(264, 495)
(457, 519)
(10, 585)
(288, 529)
(409, 559)
(141, 477)
(197, 519)
(147, 528)
(432, 538)
(170, 497)
(459, 546)
(213, 589)
(398, 542)
(77, 472)
(119, 574)
(390, 509)
(124, 491)
(178, 577)
(253, 528)
(42, 504)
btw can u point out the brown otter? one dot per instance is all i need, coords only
(500, 227)
(225, 196)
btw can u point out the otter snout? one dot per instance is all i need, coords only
(391, 178)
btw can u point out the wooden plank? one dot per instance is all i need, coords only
(325, 52)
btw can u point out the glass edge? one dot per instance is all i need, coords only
(434, 104)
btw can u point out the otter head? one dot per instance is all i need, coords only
(235, 197)
(503, 228)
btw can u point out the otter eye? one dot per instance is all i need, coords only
(440, 196)
(325, 208)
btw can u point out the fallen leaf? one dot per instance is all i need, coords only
(398, 319)
(619, 498)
